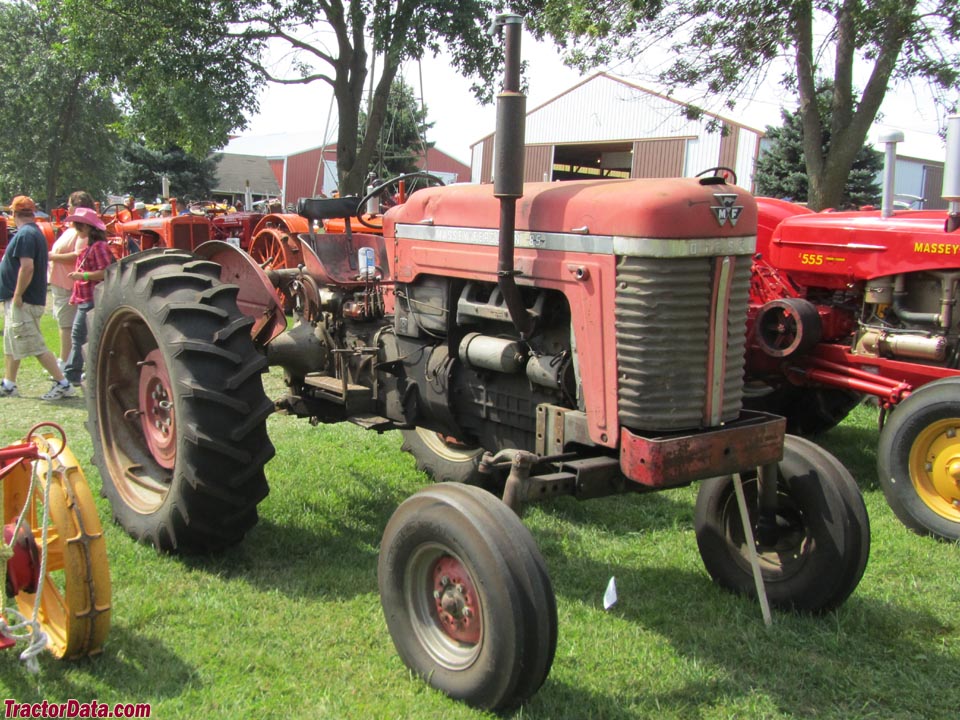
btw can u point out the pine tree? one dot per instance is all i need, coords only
(782, 172)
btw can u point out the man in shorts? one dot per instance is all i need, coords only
(23, 291)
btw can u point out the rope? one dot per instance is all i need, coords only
(18, 630)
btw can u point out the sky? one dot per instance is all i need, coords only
(460, 121)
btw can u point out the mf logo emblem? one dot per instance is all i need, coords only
(726, 210)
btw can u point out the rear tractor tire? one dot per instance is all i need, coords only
(467, 598)
(918, 460)
(822, 539)
(176, 406)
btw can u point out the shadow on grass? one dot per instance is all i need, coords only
(868, 659)
(132, 668)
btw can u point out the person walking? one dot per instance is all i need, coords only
(92, 263)
(63, 259)
(23, 291)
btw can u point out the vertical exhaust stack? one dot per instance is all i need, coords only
(890, 140)
(508, 168)
(951, 173)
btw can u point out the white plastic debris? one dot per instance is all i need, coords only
(610, 594)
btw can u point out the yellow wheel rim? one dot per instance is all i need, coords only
(935, 467)
(75, 587)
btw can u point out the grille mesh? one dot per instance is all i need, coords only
(663, 312)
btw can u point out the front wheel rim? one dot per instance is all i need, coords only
(444, 607)
(934, 465)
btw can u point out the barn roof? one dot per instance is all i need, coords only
(235, 171)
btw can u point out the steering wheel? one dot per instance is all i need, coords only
(120, 214)
(727, 174)
(206, 207)
(362, 203)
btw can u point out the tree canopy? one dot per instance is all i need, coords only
(191, 69)
(142, 170)
(59, 119)
(726, 48)
(781, 171)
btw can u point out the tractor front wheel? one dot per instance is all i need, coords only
(818, 550)
(918, 460)
(467, 598)
(176, 406)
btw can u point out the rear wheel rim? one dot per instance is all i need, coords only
(140, 460)
(446, 447)
(934, 464)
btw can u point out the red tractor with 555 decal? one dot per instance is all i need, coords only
(852, 304)
(582, 338)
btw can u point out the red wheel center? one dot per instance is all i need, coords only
(456, 601)
(156, 405)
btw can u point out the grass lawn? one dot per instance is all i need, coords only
(288, 623)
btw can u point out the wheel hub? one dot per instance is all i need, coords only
(157, 417)
(935, 468)
(455, 600)
(23, 568)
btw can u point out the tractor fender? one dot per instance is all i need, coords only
(256, 298)
(294, 224)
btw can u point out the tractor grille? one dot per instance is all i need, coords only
(679, 361)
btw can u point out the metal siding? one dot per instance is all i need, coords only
(702, 153)
(745, 166)
(933, 188)
(658, 158)
(538, 161)
(729, 140)
(476, 162)
(486, 161)
(304, 177)
(439, 161)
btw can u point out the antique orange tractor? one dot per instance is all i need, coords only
(852, 304)
(53, 551)
(529, 341)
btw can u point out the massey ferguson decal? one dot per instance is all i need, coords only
(726, 210)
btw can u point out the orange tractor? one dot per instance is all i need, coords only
(583, 338)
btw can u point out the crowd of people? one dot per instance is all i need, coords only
(70, 269)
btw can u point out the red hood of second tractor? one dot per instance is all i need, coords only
(862, 245)
(644, 208)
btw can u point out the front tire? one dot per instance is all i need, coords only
(467, 598)
(176, 406)
(823, 533)
(918, 460)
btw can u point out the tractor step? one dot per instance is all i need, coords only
(373, 422)
(355, 397)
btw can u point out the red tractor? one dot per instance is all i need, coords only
(583, 338)
(852, 304)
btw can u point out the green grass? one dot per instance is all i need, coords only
(288, 624)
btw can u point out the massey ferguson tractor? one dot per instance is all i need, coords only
(852, 304)
(529, 341)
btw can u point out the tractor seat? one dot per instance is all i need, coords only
(318, 209)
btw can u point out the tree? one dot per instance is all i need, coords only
(891, 39)
(401, 144)
(781, 170)
(143, 168)
(59, 120)
(180, 79)
(224, 47)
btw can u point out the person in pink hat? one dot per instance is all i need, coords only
(92, 262)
